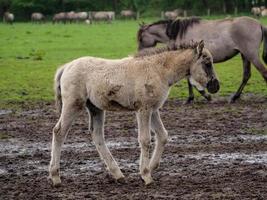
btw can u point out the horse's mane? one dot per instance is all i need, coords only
(146, 26)
(179, 27)
(154, 50)
(174, 28)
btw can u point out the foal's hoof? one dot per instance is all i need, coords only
(55, 181)
(148, 180)
(121, 180)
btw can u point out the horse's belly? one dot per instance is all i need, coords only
(220, 44)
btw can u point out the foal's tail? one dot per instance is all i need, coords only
(57, 89)
(264, 54)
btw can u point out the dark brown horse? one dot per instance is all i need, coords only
(224, 38)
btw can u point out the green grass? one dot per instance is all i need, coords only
(30, 54)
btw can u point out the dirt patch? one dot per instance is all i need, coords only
(215, 151)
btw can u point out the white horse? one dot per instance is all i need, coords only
(8, 17)
(140, 84)
(37, 17)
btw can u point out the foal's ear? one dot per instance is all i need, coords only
(199, 48)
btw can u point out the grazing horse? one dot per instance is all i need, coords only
(173, 14)
(60, 17)
(37, 17)
(224, 38)
(256, 11)
(140, 84)
(8, 17)
(107, 16)
(81, 16)
(128, 14)
(264, 12)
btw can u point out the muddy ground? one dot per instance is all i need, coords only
(215, 151)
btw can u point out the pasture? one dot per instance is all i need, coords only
(215, 150)
(30, 54)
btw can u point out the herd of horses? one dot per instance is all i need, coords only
(259, 11)
(70, 17)
(141, 83)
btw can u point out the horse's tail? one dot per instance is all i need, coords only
(57, 89)
(264, 54)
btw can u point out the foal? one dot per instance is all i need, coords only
(140, 84)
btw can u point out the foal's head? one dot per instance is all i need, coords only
(202, 74)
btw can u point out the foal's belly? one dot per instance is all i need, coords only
(119, 98)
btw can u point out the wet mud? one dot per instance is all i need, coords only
(214, 151)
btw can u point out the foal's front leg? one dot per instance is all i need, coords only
(144, 137)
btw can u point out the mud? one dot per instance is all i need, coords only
(215, 151)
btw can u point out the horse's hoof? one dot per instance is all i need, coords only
(148, 180)
(233, 98)
(208, 97)
(121, 180)
(189, 101)
(55, 181)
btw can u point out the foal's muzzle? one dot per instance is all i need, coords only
(213, 86)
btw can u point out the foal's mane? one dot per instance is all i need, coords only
(155, 50)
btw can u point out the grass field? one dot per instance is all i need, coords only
(30, 54)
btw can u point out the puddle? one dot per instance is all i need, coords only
(5, 112)
(3, 171)
(215, 159)
(192, 138)
(13, 147)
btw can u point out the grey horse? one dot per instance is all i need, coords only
(224, 38)
(8, 17)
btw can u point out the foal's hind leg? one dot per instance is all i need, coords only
(144, 137)
(97, 129)
(246, 76)
(68, 114)
(161, 139)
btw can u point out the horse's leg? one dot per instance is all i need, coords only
(68, 114)
(97, 128)
(144, 137)
(205, 95)
(246, 76)
(161, 139)
(260, 67)
(191, 93)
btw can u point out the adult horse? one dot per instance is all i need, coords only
(37, 17)
(224, 38)
(8, 17)
(107, 16)
(173, 14)
(60, 17)
(139, 84)
(128, 14)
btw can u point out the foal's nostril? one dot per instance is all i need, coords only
(213, 86)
